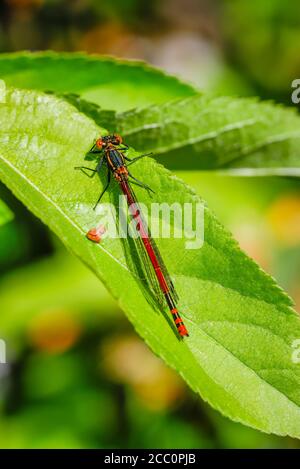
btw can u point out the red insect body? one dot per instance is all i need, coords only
(152, 253)
(114, 158)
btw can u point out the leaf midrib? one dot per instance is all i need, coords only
(194, 140)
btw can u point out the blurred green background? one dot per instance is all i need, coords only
(77, 375)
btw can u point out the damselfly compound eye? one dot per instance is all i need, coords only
(99, 143)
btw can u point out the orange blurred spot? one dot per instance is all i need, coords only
(54, 331)
(109, 38)
(164, 392)
(24, 3)
(128, 360)
(254, 239)
(284, 219)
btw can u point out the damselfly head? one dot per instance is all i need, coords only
(100, 143)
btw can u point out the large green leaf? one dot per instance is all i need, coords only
(217, 132)
(238, 355)
(113, 83)
(183, 129)
(236, 135)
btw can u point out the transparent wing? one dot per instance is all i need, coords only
(145, 259)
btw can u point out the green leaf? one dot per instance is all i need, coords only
(239, 353)
(238, 136)
(205, 132)
(113, 83)
(6, 214)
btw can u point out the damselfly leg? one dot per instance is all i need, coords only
(133, 160)
(104, 190)
(141, 184)
(84, 169)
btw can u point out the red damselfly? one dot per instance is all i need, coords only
(110, 151)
